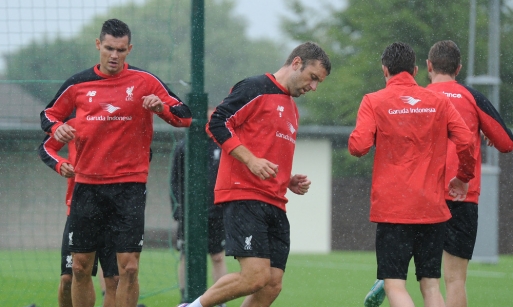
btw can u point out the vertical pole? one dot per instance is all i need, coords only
(472, 38)
(196, 211)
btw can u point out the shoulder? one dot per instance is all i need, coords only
(87, 75)
(256, 86)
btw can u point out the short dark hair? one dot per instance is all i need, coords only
(399, 57)
(445, 57)
(116, 28)
(309, 52)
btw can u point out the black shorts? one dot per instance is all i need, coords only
(216, 236)
(117, 209)
(106, 254)
(396, 244)
(257, 229)
(461, 229)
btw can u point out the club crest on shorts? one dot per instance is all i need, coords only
(248, 243)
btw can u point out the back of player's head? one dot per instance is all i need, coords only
(445, 57)
(399, 57)
(309, 52)
(116, 28)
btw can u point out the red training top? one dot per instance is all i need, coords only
(260, 114)
(409, 125)
(113, 130)
(480, 115)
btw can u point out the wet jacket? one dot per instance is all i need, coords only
(410, 125)
(480, 115)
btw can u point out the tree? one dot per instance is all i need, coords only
(356, 35)
(161, 39)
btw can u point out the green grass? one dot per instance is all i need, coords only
(337, 279)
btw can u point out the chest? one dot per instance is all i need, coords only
(110, 97)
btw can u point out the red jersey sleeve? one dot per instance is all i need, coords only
(462, 137)
(363, 136)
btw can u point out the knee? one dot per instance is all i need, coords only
(257, 281)
(217, 258)
(130, 270)
(66, 281)
(81, 268)
(111, 283)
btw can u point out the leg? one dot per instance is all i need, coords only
(430, 288)
(101, 279)
(266, 296)
(82, 289)
(65, 291)
(111, 284)
(255, 274)
(455, 275)
(218, 266)
(397, 293)
(127, 293)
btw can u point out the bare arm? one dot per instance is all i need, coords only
(260, 167)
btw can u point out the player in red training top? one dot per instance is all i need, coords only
(444, 64)
(256, 128)
(106, 254)
(409, 126)
(115, 104)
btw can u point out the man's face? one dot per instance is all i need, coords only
(302, 81)
(113, 51)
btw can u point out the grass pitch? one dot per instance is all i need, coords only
(336, 279)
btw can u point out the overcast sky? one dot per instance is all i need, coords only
(23, 20)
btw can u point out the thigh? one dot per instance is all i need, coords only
(216, 236)
(461, 229)
(428, 250)
(394, 250)
(129, 202)
(85, 219)
(246, 229)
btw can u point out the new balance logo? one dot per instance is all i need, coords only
(109, 108)
(91, 94)
(142, 241)
(280, 109)
(70, 236)
(409, 100)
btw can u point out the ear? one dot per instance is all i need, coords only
(297, 63)
(386, 73)
(458, 70)
(415, 71)
(98, 43)
(429, 66)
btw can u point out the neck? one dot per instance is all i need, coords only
(281, 76)
(436, 78)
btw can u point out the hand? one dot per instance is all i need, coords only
(487, 140)
(67, 170)
(458, 189)
(262, 168)
(153, 103)
(299, 184)
(64, 133)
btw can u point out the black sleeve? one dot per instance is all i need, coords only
(44, 156)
